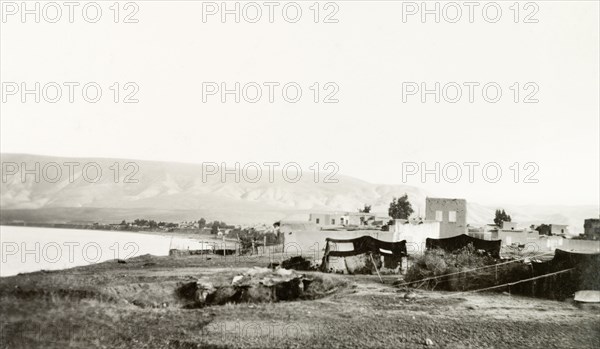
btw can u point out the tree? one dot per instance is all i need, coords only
(501, 216)
(366, 209)
(544, 229)
(400, 208)
(202, 223)
(215, 228)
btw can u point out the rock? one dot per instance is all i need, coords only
(222, 295)
(428, 342)
(284, 272)
(204, 289)
(296, 263)
(410, 296)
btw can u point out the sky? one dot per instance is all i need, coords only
(371, 57)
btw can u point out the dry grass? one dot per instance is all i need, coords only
(82, 308)
(462, 271)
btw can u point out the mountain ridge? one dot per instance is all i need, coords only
(175, 189)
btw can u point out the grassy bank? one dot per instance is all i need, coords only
(132, 305)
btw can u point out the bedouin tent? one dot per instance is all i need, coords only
(583, 276)
(362, 245)
(454, 243)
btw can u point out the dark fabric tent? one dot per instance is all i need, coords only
(584, 276)
(392, 251)
(366, 244)
(454, 243)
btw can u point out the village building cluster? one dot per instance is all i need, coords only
(444, 218)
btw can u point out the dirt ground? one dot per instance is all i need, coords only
(133, 305)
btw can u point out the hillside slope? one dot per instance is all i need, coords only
(166, 190)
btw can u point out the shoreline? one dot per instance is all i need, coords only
(179, 234)
(28, 249)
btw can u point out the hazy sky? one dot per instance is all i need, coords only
(368, 54)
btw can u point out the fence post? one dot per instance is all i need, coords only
(532, 283)
(496, 274)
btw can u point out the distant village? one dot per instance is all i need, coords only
(443, 218)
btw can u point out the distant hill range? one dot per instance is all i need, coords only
(176, 191)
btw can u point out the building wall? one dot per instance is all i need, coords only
(556, 229)
(325, 219)
(489, 228)
(536, 243)
(355, 218)
(581, 245)
(510, 225)
(311, 243)
(415, 234)
(551, 243)
(341, 218)
(516, 236)
(483, 235)
(446, 206)
(591, 228)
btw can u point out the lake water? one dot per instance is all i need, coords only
(27, 249)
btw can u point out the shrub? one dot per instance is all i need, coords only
(434, 264)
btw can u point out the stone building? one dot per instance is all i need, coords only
(344, 219)
(329, 218)
(415, 233)
(591, 229)
(559, 229)
(509, 225)
(451, 213)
